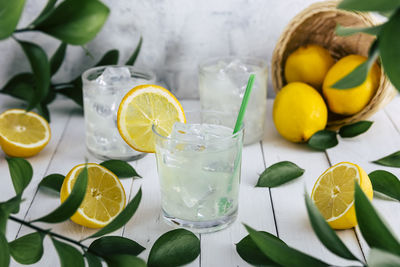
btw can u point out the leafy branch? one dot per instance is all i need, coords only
(73, 22)
(174, 248)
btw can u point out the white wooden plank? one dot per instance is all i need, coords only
(218, 249)
(60, 113)
(380, 140)
(71, 151)
(288, 199)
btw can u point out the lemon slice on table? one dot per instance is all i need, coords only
(143, 107)
(333, 193)
(104, 199)
(22, 133)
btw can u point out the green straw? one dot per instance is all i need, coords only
(245, 101)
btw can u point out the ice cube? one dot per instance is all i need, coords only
(238, 73)
(218, 166)
(187, 132)
(113, 75)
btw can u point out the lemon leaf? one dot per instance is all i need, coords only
(57, 59)
(72, 203)
(373, 228)
(4, 251)
(174, 248)
(249, 251)
(10, 13)
(69, 256)
(75, 22)
(369, 5)
(347, 31)
(111, 245)
(325, 233)
(355, 129)
(386, 183)
(392, 160)
(279, 173)
(21, 173)
(120, 168)
(27, 249)
(124, 260)
(323, 139)
(389, 41)
(46, 11)
(379, 258)
(92, 260)
(21, 87)
(122, 218)
(133, 57)
(53, 181)
(280, 252)
(109, 58)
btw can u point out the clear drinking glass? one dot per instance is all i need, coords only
(199, 171)
(103, 89)
(222, 83)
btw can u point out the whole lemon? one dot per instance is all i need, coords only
(299, 111)
(308, 64)
(353, 100)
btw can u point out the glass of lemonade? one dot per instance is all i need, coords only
(103, 89)
(199, 169)
(222, 83)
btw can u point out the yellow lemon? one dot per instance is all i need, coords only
(104, 199)
(23, 134)
(349, 101)
(308, 64)
(143, 107)
(299, 111)
(333, 193)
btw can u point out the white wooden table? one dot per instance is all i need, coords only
(280, 210)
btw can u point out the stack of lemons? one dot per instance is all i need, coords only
(299, 108)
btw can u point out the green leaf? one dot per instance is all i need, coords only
(380, 258)
(281, 253)
(372, 227)
(4, 251)
(10, 12)
(72, 203)
(360, 73)
(120, 168)
(45, 12)
(74, 21)
(323, 139)
(133, 57)
(174, 248)
(43, 111)
(110, 245)
(369, 5)
(122, 218)
(392, 160)
(57, 59)
(21, 86)
(21, 173)
(249, 251)
(125, 261)
(325, 233)
(69, 256)
(53, 181)
(109, 58)
(93, 260)
(279, 173)
(347, 31)
(386, 183)
(3, 221)
(355, 129)
(389, 42)
(7, 207)
(41, 69)
(27, 249)
(74, 92)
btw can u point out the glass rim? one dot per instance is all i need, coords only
(247, 60)
(214, 140)
(133, 69)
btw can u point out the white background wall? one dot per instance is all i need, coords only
(177, 35)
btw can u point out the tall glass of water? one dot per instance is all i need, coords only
(222, 83)
(199, 170)
(103, 89)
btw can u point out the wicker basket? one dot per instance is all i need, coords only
(316, 24)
